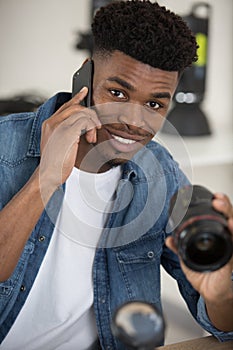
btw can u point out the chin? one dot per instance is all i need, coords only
(119, 158)
(112, 158)
(117, 161)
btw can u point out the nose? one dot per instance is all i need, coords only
(132, 115)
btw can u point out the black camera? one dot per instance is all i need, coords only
(200, 232)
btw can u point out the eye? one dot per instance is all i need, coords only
(154, 105)
(117, 93)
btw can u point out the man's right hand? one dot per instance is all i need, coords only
(60, 139)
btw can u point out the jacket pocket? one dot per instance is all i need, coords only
(139, 263)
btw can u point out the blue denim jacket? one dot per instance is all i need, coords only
(128, 258)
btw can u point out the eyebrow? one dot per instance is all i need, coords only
(122, 82)
(130, 87)
(162, 95)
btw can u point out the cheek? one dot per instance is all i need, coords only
(154, 122)
(96, 98)
(157, 123)
(99, 95)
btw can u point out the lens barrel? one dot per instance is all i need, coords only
(201, 236)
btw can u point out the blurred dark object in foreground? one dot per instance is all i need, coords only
(138, 325)
(20, 103)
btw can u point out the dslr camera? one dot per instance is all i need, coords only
(200, 232)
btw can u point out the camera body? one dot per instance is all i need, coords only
(200, 232)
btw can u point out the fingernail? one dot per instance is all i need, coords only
(219, 202)
(219, 195)
(83, 89)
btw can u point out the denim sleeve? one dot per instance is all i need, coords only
(205, 322)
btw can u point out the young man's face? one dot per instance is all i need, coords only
(131, 99)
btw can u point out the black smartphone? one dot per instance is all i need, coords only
(83, 77)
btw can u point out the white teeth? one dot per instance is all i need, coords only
(122, 140)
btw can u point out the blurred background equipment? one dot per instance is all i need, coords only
(21, 103)
(186, 114)
(138, 325)
(85, 41)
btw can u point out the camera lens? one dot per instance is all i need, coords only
(206, 247)
(201, 234)
(204, 243)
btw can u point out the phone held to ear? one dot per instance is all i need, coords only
(83, 77)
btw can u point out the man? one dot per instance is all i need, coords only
(85, 195)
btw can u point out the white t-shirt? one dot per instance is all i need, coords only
(58, 313)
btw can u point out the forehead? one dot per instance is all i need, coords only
(135, 72)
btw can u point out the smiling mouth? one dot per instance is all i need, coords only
(123, 140)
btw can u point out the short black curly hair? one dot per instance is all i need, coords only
(146, 31)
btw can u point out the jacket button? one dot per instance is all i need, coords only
(150, 254)
(41, 238)
(22, 288)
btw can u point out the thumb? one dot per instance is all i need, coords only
(170, 243)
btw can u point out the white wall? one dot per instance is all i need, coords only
(37, 41)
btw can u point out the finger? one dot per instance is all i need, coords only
(91, 136)
(90, 132)
(73, 113)
(74, 100)
(170, 243)
(78, 98)
(222, 203)
(81, 124)
(230, 225)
